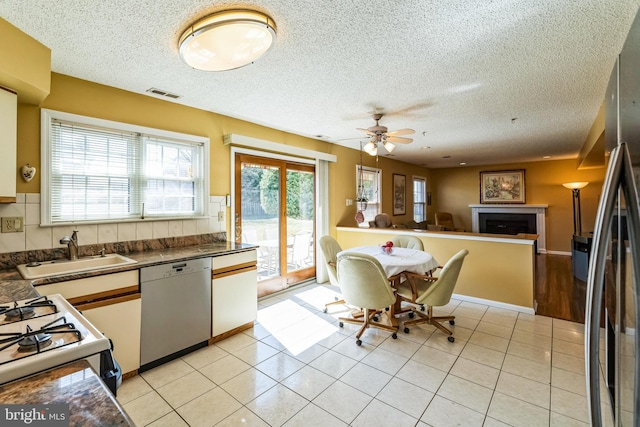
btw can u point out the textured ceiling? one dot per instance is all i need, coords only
(457, 71)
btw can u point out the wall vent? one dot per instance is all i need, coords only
(161, 92)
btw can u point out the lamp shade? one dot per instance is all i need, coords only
(227, 40)
(575, 185)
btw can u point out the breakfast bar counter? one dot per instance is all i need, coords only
(499, 271)
(76, 384)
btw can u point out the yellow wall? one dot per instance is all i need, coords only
(25, 64)
(500, 271)
(457, 188)
(343, 185)
(82, 97)
(452, 189)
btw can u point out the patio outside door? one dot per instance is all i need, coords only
(275, 209)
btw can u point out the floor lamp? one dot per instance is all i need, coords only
(577, 221)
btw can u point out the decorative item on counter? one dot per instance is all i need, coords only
(387, 248)
(28, 172)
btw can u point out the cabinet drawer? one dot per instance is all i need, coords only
(91, 288)
(224, 262)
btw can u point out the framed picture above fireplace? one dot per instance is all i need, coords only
(502, 186)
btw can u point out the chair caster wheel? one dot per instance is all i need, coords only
(406, 330)
(411, 315)
(325, 310)
(394, 336)
(358, 343)
(375, 318)
(336, 299)
(452, 322)
(451, 339)
(386, 309)
(422, 308)
(341, 324)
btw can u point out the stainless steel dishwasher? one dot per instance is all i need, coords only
(176, 310)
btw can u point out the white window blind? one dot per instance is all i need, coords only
(104, 173)
(419, 199)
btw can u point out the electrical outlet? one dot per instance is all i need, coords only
(220, 216)
(12, 224)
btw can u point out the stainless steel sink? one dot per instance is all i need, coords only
(53, 268)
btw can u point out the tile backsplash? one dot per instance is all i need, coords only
(35, 237)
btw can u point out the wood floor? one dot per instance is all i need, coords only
(557, 292)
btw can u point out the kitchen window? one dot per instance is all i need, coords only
(368, 192)
(419, 199)
(98, 170)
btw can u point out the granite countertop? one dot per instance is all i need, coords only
(77, 384)
(91, 403)
(14, 288)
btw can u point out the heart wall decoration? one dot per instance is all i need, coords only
(28, 172)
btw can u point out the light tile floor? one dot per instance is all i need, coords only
(297, 367)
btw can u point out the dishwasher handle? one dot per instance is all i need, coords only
(178, 267)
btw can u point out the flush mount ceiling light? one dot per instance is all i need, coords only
(227, 40)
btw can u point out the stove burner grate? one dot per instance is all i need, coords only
(16, 313)
(35, 342)
(19, 313)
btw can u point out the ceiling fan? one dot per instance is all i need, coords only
(380, 135)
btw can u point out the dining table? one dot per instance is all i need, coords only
(397, 262)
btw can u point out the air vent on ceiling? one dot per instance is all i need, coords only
(161, 92)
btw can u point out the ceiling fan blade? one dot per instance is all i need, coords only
(401, 132)
(361, 138)
(367, 131)
(399, 140)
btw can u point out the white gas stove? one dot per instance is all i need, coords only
(45, 332)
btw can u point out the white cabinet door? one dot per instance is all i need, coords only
(121, 323)
(8, 144)
(112, 303)
(234, 301)
(234, 292)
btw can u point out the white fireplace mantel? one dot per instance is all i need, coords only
(539, 210)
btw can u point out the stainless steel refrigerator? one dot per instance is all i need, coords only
(613, 285)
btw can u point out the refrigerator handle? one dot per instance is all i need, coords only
(633, 229)
(595, 282)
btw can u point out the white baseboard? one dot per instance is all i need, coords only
(559, 253)
(496, 304)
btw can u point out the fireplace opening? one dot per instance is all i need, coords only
(507, 223)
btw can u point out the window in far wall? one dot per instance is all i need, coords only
(419, 199)
(368, 182)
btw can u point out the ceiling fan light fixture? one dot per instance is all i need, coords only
(370, 146)
(227, 40)
(389, 146)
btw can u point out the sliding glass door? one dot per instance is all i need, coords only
(275, 209)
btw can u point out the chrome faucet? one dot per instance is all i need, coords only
(72, 244)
